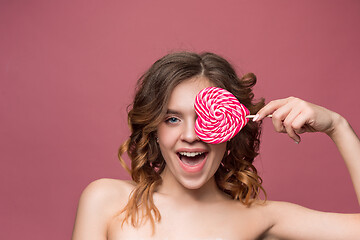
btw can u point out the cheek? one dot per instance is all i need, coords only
(167, 135)
(219, 149)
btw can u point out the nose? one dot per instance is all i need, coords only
(188, 133)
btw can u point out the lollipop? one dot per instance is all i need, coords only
(220, 115)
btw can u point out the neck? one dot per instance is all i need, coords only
(171, 187)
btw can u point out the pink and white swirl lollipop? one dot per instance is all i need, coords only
(220, 115)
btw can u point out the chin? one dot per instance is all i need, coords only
(193, 183)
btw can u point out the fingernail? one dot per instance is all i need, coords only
(297, 142)
(256, 117)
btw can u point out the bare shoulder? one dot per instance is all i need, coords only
(290, 220)
(106, 195)
(264, 211)
(279, 209)
(99, 202)
(106, 189)
(274, 211)
(272, 206)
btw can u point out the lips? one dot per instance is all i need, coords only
(192, 161)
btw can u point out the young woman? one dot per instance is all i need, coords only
(184, 188)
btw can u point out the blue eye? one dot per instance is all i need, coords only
(172, 120)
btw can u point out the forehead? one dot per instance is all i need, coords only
(183, 95)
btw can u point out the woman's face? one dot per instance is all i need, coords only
(191, 161)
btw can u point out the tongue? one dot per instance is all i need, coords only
(192, 160)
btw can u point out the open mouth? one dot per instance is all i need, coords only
(192, 161)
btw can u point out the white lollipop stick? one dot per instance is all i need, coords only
(252, 116)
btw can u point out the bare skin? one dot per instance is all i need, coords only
(191, 205)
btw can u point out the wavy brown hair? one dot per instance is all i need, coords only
(236, 175)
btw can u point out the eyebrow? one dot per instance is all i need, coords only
(171, 111)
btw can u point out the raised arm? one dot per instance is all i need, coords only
(349, 147)
(295, 116)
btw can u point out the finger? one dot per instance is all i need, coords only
(280, 115)
(299, 123)
(289, 126)
(270, 108)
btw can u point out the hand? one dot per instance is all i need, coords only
(295, 116)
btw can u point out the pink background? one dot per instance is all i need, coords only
(68, 70)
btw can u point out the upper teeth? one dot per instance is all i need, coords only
(190, 154)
